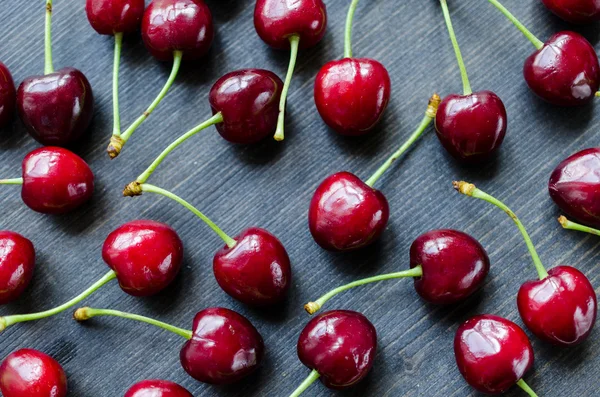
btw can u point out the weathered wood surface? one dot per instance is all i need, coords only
(271, 185)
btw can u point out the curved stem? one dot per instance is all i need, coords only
(469, 189)
(13, 181)
(85, 313)
(430, 113)
(312, 377)
(7, 321)
(294, 45)
(530, 36)
(217, 118)
(115, 84)
(48, 67)
(348, 35)
(461, 64)
(155, 189)
(567, 224)
(521, 383)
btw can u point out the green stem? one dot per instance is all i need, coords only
(85, 313)
(294, 45)
(469, 189)
(312, 377)
(567, 224)
(461, 64)
(13, 181)
(430, 113)
(48, 67)
(7, 321)
(534, 40)
(155, 189)
(313, 307)
(348, 35)
(217, 118)
(521, 383)
(115, 84)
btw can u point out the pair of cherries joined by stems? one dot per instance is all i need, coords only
(575, 11)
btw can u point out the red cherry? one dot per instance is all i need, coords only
(575, 11)
(17, 262)
(492, 353)
(114, 16)
(8, 96)
(157, 388)
(31, 373)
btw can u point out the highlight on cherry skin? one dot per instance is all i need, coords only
(31, 373)
(223, 347)
(447, 266)
(330, 344)
(8, 96)
(110, 17)
(17, 264)
(157, 388)
(575, 11)
(144, 256)
(561, 306)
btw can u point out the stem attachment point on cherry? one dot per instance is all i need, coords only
(348, 34)
(48, 67)
(530, 36)
(461, 64)
(312, 377)
(567, 224)
(294, 46)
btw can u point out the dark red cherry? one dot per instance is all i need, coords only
(8, 96)
(17, 262)
(256, 270)
(31, 373)
(114, 16)
(345, 213)
(575, 11)
(56, 108)
(177, 25)
(55, 180)
(248, 99)
(145, 255)
(471, 127)
(561, 308)
(225, 347)
(157, 388)
(565, 71)
(575, 186)
(492, 353)
(351, 94)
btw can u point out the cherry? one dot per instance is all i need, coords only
(492, 354)
(157, 388)
(7, 96)
(57, 107)
(561, 306)
(110, 17)
(564, 70)
(223, 346)
(575, 11)
(289, 25)
(31, 373)
(17, 262)
(144, 256)
(171, 29)
(351, 94)
(339, 347)
(346, 213)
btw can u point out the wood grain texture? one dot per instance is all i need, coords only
(270, 185)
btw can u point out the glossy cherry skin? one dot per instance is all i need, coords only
(276, 20)
(17, 263)
(492, 353)
(248, 99)
(345, 213)
(56, 108)
(146, 255)
(565, 72)
(351, 94)
(340, 345)
(256, 271)
(575, 186)
(471, 127)
(114, 16)
(55, 180)
(31, 373)
(157, 388)
(225, 347)
(560, 309)
(8, 96)
(177, 25)
(454, 265)
(575, 11)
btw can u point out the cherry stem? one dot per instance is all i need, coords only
(312, 377)
(461, 64)
(7, 321)
(216, 119)
(469, 189)
(294, 45)
(85, 313)
(521, 383)
(115, 84)
(348, 36)
(430, 113)
(13, 181)
(313, 307)
(534, 40)
(48, 68)
(567, 224)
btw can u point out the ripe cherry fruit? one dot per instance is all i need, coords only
(17, 263)
(8, 96)
(157, 388)
(575, 11)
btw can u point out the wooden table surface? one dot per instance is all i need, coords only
(270, 185)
